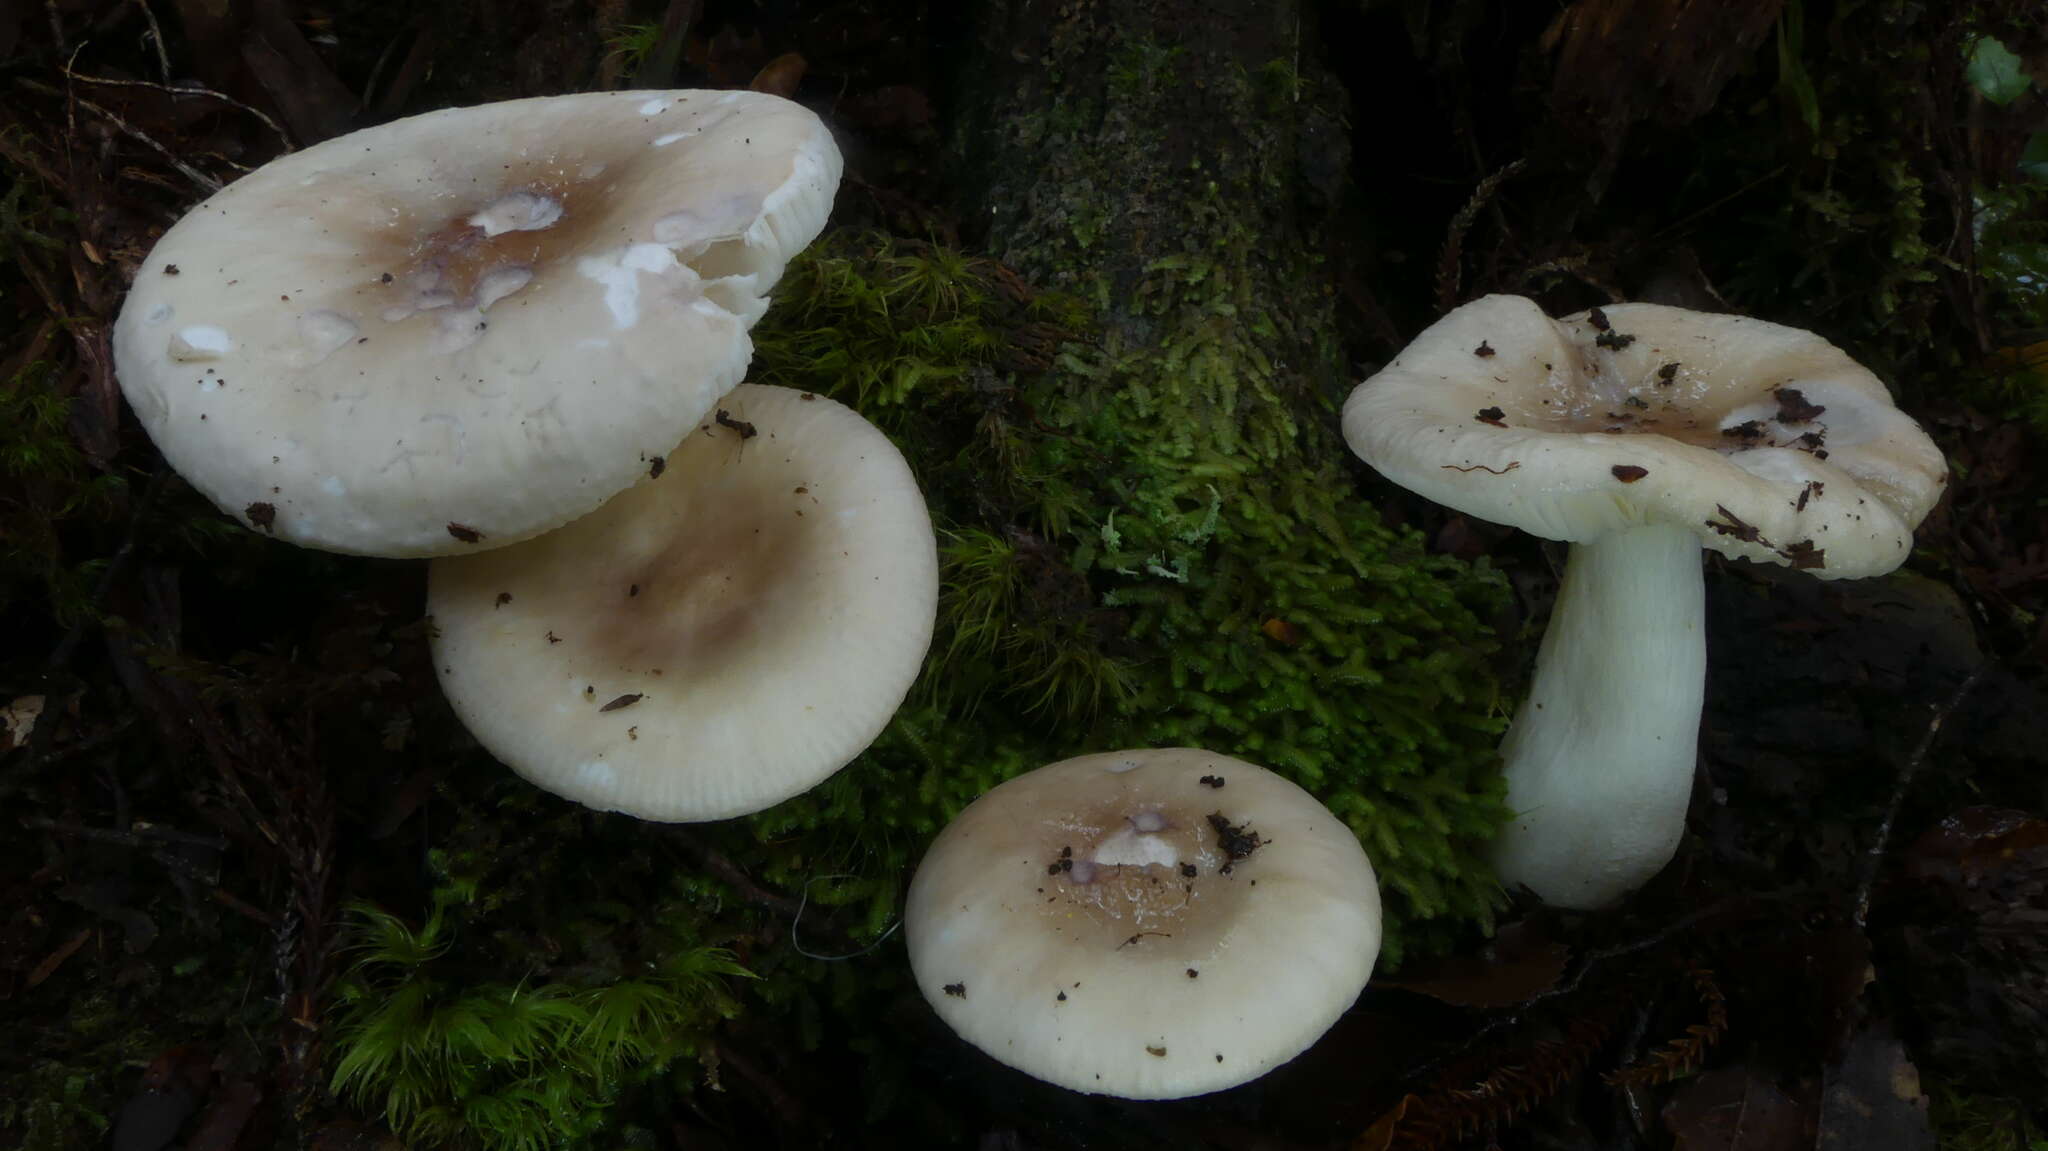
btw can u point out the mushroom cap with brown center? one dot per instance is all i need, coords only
(1768, 442)
(1149, 924)
(717, 639)
(460, 329)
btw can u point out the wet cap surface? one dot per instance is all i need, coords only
(1150, 924)
(457, 330)
(713, 641)
(1768, 442)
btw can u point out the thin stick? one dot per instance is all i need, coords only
(1874, 859)
(205, 182)
(182, 90)
(805, 902)
(156, 36)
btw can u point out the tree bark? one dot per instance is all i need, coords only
(1178, 167)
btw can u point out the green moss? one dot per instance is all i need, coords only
(1111, 556)
(1127, 530)
(478, 1027)
(1967, 1122)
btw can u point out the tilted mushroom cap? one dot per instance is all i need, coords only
(461, 329)
(1767, 441)
(1149, 924)
(714, 640)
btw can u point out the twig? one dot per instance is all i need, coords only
(206, 183)
(1874, 859)
(805, 902)
(185, 90)
(728, 871)
(156, 36)
(133, 837)
(227, 899)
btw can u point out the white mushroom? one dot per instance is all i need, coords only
(1638, 434)
(1149, 924)
(458, 330)
(713, 641)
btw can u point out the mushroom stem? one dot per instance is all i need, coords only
(1600, 759)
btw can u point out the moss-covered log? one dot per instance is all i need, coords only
(1176, 171)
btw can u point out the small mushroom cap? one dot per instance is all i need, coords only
(461, 329)
(713, 641)
(1768, 442)
(1054, 925)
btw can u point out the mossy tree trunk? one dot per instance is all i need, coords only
(1177, 167)
(1121, 138)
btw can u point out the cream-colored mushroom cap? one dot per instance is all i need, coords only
(458, 330)
(713, 641)
(1768, 442)
(1149, 924)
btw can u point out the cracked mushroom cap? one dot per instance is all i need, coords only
(713, 641)
(458, 330)
(1148, 924)
(1768, 442)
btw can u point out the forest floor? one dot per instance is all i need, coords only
(1851, 950)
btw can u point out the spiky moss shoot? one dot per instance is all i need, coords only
(1141, 547)
(483, 1028)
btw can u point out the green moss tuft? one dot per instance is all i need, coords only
(1147, 546)
(447, 1053)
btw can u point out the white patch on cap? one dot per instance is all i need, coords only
(498, 283)
(597, 775)
(517, 212)
(1128, 848)
(672, 137)
(333, 486)
(455, 330)
(196, 343)
(159, 314)
(325, 330)
(619, 271)
(655, 107)
(1149, 821)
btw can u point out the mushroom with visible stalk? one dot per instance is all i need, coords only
(1148, 924)
(713, 641)
(1638, 433)
(461, 329)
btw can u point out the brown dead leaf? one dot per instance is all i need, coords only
(892, 108)
(55, 959)
(18, 721)
(1280, 631)
(1871, 1098)
(1973, 842)
(228, 1110)
(1518, 964)
(1735, 1109)
(727, 57)
(1380, 1136)
(780, 76)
